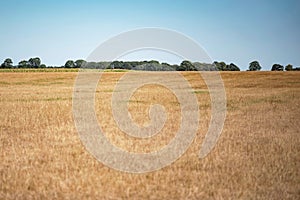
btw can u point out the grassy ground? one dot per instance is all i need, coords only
(257, 155)
(22, 70)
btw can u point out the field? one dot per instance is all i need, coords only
(257, 155)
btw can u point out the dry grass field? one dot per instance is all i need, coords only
(256, 157)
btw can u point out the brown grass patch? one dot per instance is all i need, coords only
(257, 155)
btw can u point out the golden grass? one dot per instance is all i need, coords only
(257, 155)
(22, 70)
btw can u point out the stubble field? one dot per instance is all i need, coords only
(257, 154)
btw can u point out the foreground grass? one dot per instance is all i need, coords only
(257, 155)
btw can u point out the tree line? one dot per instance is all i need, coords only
(151, 65)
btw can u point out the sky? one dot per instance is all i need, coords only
(237, 31)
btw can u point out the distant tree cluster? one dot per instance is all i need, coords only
(221, 66)
(31, 63)
(255, 66)
(289, 67)
(151, 65)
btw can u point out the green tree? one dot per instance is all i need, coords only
(174, 67)
(8, 63)
(80, 63)
(254, 66)
(220, 66)
(34, 62)
(296, 69)
(232, 67)
(23, 64)
(116, 65)
(127, 65)
(289, 67)
(153, 62)
(70, 64)
(180, 68)
(167, 67)
(277, 67)
(187, 66)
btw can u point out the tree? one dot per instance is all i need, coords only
(23, 64)
(8, 63)
(80, 63)
(116, 65)
(70, 64)
(187, 66)
(180, 68)
(277, 67)
(289, 67)
(34, 62)
(153, 62)
(127, 65)
(167, 67)
(296, 69)
(254, 66)
(232, 67)
(174, 67)
(221, 66)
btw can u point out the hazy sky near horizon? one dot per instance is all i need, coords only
(229, 30)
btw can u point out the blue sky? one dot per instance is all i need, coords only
(237, 31)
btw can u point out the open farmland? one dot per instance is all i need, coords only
(257, 155)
